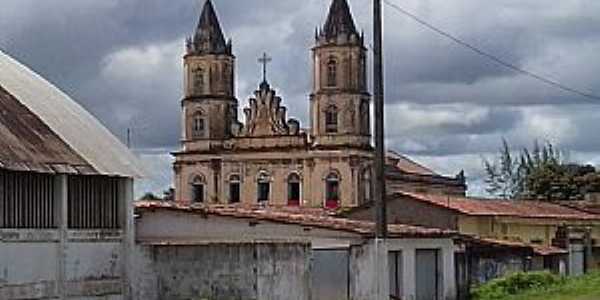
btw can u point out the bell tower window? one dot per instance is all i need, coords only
(198, 126)
(198, 80)
(331, 73)
(331, 119)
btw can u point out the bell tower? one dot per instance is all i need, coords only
(209, 105)
(340, 103)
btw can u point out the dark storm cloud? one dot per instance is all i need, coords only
(122, 61)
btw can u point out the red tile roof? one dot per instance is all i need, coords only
(484, 207)
(310, 217)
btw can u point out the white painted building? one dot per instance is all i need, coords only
(344, 260)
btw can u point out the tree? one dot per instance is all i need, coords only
(539, 174)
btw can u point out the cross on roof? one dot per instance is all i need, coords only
(264, 60)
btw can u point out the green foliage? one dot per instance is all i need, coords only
(539, 174)
(579, 288)
(500, 289)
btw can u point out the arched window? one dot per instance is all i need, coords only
(331, 119)
(198, 79)
(332, 191)
(198, 126)
(367, 186)
(198, 189)
(332, 73)
(263, 187)
(294, 192)
(363, 72)
(365, 117)
(235, 183)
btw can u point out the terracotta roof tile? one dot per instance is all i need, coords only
(298, 216)
(484, 207)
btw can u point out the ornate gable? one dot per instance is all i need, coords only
(265, 116)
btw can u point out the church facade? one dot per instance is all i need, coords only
(270, 159)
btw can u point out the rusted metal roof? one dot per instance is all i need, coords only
(486, 207)
(27, 144)
(310, 217)
(68, 121)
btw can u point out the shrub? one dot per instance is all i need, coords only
(513, 284)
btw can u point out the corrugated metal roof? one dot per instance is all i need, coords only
(68, 120)
(484, 207)
(309, 217)
(27, 144)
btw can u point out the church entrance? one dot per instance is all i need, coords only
(332, 192)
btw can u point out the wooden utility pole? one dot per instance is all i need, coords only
(378, 93)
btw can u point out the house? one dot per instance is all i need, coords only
(320, 256)
(405, 174)
(548, 228)
(66, 194)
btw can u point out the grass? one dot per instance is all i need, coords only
(581, 288)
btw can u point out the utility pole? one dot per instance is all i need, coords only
(378, 93)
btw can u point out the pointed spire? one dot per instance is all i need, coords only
(209, 38)
(339, 21)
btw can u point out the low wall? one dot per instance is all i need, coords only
(224, 271)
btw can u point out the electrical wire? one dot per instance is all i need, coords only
(490, 56)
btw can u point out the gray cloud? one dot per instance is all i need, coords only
(122, 61)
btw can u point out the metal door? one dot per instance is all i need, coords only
(330, 274)
(428, 269)
(577, 260)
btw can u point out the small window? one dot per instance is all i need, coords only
(198, 190)
(332, 73)
(332, 191)
(367, 186)
(198, 75)
(234, 189)
(264, 187)
(294, 190)
(198, 126)
(331, 119)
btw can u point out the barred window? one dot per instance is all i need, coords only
(27, 201)
(93, 202)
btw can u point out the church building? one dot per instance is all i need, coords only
(271, 159)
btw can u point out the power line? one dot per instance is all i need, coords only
(491, 56)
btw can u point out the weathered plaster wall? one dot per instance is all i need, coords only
(63, 263)
(224, 271)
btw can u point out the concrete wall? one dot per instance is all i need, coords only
(224, 271)
(368, 260)
(67, 264)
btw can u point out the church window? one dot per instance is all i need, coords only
(198, 189)
(198, 78)
(198, 126)
(367, 186)
(332, 73)
(263, 187)
(234, 189)
(332, 191)
(365, 117)
(294, 190)
(363, 72)
(331, 119)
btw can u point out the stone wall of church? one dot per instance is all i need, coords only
(216, 174)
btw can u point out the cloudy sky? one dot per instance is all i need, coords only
(446, 106)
